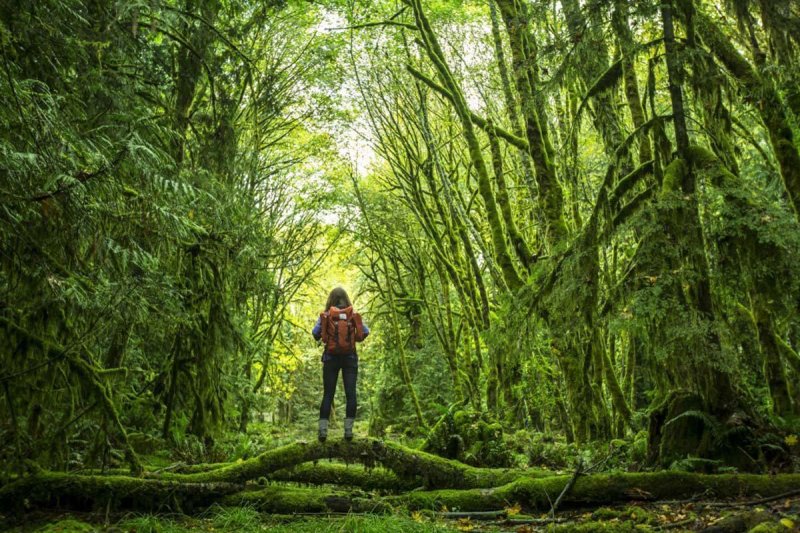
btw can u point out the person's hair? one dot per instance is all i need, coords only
(338, 298)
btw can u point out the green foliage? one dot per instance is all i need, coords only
(153, 224)
(470, 437)
(631, 513)
(152, 524)
(182, 183)
(69, 525)
(236, 519)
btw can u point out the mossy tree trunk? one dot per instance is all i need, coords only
(83, 365)
(512, 108)
(715, 383)
(621, 24)
(593, 55)
(524, 66)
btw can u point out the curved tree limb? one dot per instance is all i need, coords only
(479, 121)
(406, 463)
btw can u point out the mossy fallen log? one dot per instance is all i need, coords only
(533, 494)
(87, 493)
(406, 463)
(317, 473)
(537, 494)
(341, 475)
(293, 500)
(58, 489)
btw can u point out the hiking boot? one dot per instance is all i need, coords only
(322, 434)
(348, 428)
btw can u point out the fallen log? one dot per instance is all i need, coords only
(536, 495)
(471, 488)
(346, 476)
(318, 473)
(406, 463)
(58, 489)
(294, 500)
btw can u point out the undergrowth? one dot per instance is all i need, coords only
(245, 520)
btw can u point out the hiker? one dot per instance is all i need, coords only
(339, 328)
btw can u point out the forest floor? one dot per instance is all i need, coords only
(779, 516)
(299, 485)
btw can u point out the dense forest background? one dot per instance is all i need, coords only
(571, 225)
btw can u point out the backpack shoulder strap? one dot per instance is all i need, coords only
(359, 326)
(323, 322)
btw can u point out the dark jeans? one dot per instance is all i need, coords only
(330, 375)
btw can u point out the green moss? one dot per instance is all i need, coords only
(638, 450)
(537, 494)
(124, 492)
(606, 80)
(769, 527)
(63, 526)
(452, 500)
(626, 183)
(406, 463)
(290, 500)
(602, 527)
(605, 513)
(471, 437)
(709, 164)
(247, 520)
(286, 500)
(324, 473)
(673, 176)
(628, 513)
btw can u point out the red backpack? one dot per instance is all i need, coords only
(341, 329)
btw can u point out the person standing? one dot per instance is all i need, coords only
(339, 328)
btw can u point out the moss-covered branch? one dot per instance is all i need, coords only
(770, 106)
(406, 463)
(537, 494)
(526, 77)
(479, 121)
(434, 51)
(317, 473)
